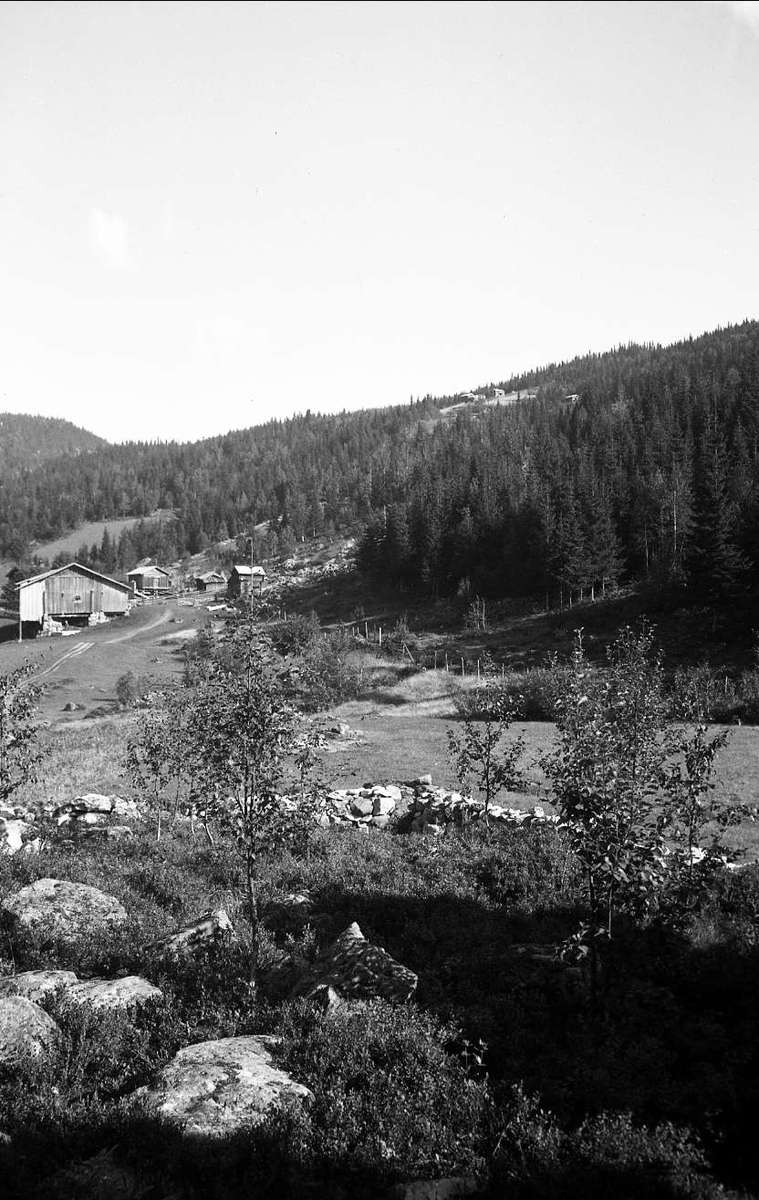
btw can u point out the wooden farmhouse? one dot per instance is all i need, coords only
(245, 581)
(151, 581)
(70, 594)
(211, 581)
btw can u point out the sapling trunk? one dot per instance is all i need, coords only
(253, 918)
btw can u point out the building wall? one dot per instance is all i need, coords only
(69, 594)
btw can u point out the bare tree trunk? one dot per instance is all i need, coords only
(253, 917)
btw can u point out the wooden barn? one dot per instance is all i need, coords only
(245, 581)
(211, 581)
(150, 580)
(70, 593)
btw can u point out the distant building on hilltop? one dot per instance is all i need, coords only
(150, 580)
(245, 581)
(69, 595)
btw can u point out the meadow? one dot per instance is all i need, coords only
(506, 1069)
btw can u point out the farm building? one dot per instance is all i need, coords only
(211, 581)
(71, 593)
(245, 581)
(151, 580)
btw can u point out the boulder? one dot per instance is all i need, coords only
(91, 804)
(280, 979)
(26, 1031)
(289, 913)
(35, 985)
(362, 806)
(107, 833)
(127, 810)
(132, 991)
(389, 791)
(11, 840)
(216, 1088)
(383, 806)
(60, 909)
(357, 970)
(435, 1189)
(206, 931)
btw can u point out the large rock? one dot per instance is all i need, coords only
(435, 1189)
(26, 1031)
(215, 1088)
(36, 985)
(132, 991)
(11, 840)
(206, 931)
(91, 805)
(60, 909)
(357, 970)
(107, 833)
(289, 913)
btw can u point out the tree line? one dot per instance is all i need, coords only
(637, 463)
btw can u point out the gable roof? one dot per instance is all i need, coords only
(151, 570)
(245, 569)
(211, 576)
(75, 566)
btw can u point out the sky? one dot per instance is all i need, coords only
(216, 214)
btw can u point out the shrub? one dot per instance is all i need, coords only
(131, 689)
(608, 1155)
(389, 1100)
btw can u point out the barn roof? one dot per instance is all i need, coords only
(246, 569)
(73, 566)
(210, 576)
(151, 569)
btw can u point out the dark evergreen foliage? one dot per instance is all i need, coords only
(613, 466)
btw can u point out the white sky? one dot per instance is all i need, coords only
(213, 214)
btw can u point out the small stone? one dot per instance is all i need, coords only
(362, 806)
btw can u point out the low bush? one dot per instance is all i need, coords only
(389, 1100)
(608, 1155)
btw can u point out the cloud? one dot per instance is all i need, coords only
(109, 239)
(745, 11)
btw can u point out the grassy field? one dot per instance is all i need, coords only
(83, 669)
(400, 729)
(87, 534)
(527, 1083)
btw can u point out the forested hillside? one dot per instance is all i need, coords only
(27, 441)
(650, 472)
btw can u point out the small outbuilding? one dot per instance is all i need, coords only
(150, 580)
(70, 594)
(211, 581)
(245, 581)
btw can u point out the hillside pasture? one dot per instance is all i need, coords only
(88, 534)
(83, 669)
